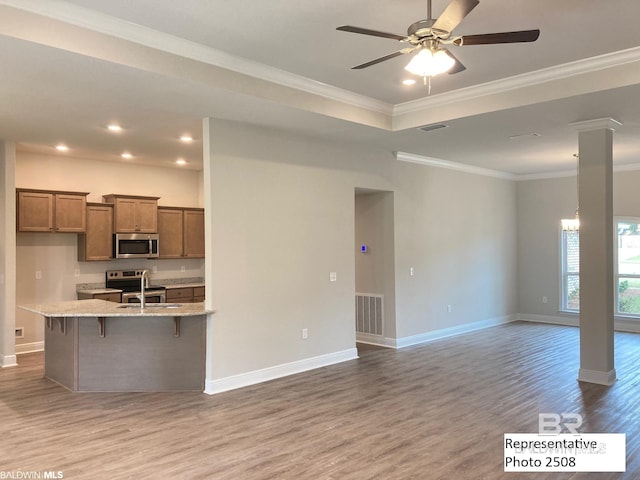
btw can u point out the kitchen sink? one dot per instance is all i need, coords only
(150, 305)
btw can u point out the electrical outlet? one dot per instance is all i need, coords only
(333, 276)
(154, 269)
(449, 308)
(19, 332)
(76, 272)
(182, 269)
(305, 333)
(411, 271)
(545, 299)
(38, 275)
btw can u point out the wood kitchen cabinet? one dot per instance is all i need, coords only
(194, 233)
(198, 294)
(171, 231)
(134, 214)
(184, 294)
(109, 297)
(97, 243)
(51, 211)
(181, 232)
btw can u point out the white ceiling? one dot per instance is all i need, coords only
(158, 67)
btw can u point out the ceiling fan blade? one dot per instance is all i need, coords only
(374, 33)
(453, 15)
(381, 59)
(458, 66)
(504, 37)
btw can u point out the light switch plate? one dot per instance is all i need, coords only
(333, 276)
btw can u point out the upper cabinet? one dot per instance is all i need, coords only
(134, 214)
(97, 243)
(194, 232)
(171, 231)
(181, 232)
(51, 211)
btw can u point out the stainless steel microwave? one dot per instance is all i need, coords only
(135, 245)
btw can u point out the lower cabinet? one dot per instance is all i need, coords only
(198, 294)
(109, 297)
(185, 295)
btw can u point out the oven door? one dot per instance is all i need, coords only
(151, 296)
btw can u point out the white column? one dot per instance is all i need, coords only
(595, 147)
(207, 161)
(7, 254)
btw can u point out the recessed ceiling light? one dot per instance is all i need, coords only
(126, 155)
(62, 147)
(409, 81)
(186, 138)
(181, 161)
(114, 127)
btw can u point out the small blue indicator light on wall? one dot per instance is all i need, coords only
(364, 248)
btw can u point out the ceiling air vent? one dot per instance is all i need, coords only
(524, 135)
(435, 126)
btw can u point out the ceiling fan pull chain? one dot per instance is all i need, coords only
(427, 83)
(428, 9)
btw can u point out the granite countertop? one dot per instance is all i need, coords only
(97, 288)
(180, 285)
(102, 308)
(97, 291)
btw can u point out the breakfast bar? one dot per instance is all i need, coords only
(101, 346)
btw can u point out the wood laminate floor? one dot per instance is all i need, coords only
(435, 411)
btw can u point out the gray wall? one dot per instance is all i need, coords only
(375, 269)
(457, 231)
(283, 218)
(7, 257)
(541, 205)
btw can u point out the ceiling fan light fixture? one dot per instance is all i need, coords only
(427, 63)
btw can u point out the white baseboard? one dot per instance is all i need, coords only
(452, 331)
(378, 340)
(277, 371)
(601, 378)
(568, 321)
(8, 361)
(620, 324)
(29, 347)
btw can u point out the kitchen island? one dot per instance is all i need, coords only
(101, 346)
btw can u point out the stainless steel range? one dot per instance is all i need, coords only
(130, 282)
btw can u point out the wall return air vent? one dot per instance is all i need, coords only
(435, 126)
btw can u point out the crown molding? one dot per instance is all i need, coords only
(460, 167)
(487, 172)
(148, 37)
(545, 175)
(596, 124)
(537, 77)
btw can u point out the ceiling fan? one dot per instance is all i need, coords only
(428, 36)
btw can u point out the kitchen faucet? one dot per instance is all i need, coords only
(144, 283)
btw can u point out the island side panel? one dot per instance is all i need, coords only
(141, 354)
(60, 352)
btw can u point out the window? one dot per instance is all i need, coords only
(570, 271)
(627, 267)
